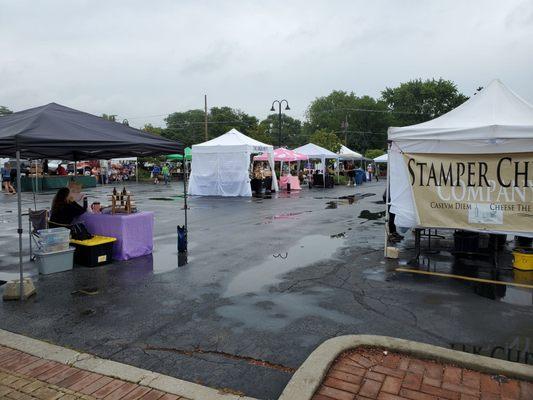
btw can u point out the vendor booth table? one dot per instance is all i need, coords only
(467, 170)
(134, 232)
(54, 182)
(293, 180)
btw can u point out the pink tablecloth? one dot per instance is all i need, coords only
(134, 232)
(295, 182)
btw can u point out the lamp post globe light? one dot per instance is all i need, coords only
(287, 108)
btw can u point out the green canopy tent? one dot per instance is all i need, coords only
(188, 155)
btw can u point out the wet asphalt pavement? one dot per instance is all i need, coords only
(267, 281)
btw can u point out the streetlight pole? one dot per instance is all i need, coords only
(280, 103)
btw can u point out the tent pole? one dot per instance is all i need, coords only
(185, 196)
(19, 230)
(387, 206)
(36, 185)
(137, 170)
(324, 171)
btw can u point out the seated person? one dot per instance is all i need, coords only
(64, 208)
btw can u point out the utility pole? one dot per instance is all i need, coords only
(205, 118)
(344, 126)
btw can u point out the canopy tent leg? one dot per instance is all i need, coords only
(324, 171)
(275, 185)
(19, 230)
(137, 170)
(36, 182)
(387, 209)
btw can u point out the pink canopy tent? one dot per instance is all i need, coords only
(283, 155)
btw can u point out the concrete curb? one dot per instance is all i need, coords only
(309, 376)
(113, 369)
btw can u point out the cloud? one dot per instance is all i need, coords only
(138, 59)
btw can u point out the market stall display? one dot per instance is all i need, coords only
(133, 232)
(282, 155)
(468, 169)
(291, 180)
(221, 166)
(316, 152)
(56, 131)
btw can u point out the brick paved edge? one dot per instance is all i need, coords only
(309, 376)
(113, 369)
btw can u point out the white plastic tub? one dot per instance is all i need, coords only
(57, 261)
(54, 239)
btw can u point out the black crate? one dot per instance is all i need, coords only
(93, 256)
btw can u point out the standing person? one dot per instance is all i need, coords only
(6, 179)
(13, 179)
(166, 174)
(370, 171)
(156, 170)
(45, 166)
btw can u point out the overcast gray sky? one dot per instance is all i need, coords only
(141, 59)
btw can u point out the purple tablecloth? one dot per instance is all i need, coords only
(134, 232)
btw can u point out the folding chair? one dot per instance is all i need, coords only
(38, 219)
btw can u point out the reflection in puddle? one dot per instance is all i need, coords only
(306, 251)
(264, 308)
(481, 269)
(166, 258)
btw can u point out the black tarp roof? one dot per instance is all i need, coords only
(56, 131)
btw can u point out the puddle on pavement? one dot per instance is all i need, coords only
(306, 251)
(166, 258)
(283, 308)
(366, 214)
(475, 268)
(344, 200)
(504, 293)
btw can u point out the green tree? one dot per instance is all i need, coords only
(261, 133)
(5, 111)
(291, 130)
(373, 153)
(367, 118)
(418, 101)
(155, 130)
(326, 139)
(188, 127)
(223, 119)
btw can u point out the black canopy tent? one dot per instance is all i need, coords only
(56, 131)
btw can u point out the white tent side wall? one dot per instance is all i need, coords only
(221, 166)
(220, 174)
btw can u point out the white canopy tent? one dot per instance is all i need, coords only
(220, 167)
(347, 154)
(494, 121)
(384, 158)
(316, 152)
